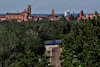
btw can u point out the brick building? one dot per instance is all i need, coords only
(26, 16)
(81, 15)
(53, 17)
(2, 18)
(23, 16)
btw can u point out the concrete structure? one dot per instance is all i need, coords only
(48, 47)
(67, 13)
(56, 52)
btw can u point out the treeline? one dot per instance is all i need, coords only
(21, 46)
(81, 45)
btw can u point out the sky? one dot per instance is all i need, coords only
(45, 6)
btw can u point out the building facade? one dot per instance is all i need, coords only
(23, 16)
(26, 16)
(2, 18)
(67, 13)
(81, 15)
(91, 16)
(53, 17)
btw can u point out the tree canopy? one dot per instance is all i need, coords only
(21, 46)
(81, 45)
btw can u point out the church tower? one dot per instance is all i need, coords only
(29, 9)
(52, 11)
(81, 13)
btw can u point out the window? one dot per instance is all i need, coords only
(27, 13)
(27, 17)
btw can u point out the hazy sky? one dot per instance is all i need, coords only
(45, 6)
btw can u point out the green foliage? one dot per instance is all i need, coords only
(53, 29)
(13, 20)
(96, 13)
(21, 46)
(81, 45)
(71, 17)
(18, 43)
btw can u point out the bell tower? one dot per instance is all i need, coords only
(29, 9)
(81, 13)
(52, 11)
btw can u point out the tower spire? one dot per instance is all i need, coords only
(29, 9)
(52, 11)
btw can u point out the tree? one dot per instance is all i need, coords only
(71, 17)
(18, 44)
(81, 46)
(96, 13)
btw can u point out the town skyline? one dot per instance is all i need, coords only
(45, 7)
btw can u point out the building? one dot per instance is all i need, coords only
(91, 16)
(39, 18)
(53, 17)
(2, 18)
(26, 16)
(67, 13)
(23, 16)
(81, 15)
(67, 18)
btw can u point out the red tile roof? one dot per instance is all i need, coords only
(31, 15)
(82, 17)
(90, 14)
(13, 13)
(93, 14)
(53, 15)
(41, 16)
(2, 16)
(25, 12)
